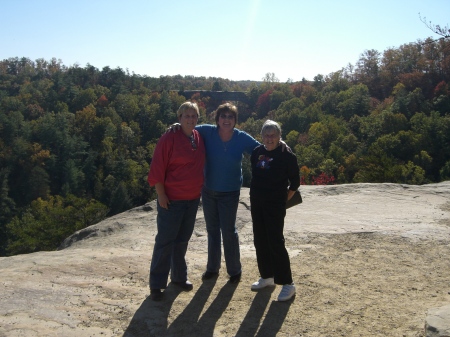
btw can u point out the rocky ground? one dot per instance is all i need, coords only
(367, 260)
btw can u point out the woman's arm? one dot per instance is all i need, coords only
(163, 200)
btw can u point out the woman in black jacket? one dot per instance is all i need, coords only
(275, 178)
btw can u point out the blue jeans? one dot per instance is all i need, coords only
(220, 210)
(175, 227)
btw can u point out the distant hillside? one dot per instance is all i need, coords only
(76, 143)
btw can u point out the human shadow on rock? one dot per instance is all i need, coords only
(188, 322)
(151, 317)
(255, 313)
(274, 319)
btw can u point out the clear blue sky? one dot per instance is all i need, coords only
(234, 39)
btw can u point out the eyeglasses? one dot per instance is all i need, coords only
(226, 116)
(270, 136)
(194, 146)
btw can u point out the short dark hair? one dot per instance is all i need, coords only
(226, 107)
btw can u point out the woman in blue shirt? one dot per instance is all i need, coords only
(224, 146)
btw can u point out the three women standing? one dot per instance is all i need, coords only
(275, 177)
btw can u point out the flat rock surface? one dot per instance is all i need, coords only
(367, 260)
(438, 322)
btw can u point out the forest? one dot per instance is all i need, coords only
(76, 142)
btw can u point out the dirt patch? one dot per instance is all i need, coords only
(362, 284)
(367, 260)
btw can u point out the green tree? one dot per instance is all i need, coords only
(252, 127)
(311, 156)
(7, 205)
(328, 166)
(403, 145)
(46, 223)
(435, 138)
(151, 128)
(73, 179)
(166, 114)
(354, 101)
(270, 79)
(368, 72)
(413, 174)
(293, 116)
(445, 171)
(216, 86)
(378, 169)
(325, 131)
(85, 121)
(38, 183)
(83, 99)
(120, 200)
(292, 138)
(276, 98)
(336, 82)
(126, 106)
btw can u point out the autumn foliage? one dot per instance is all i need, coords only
(76, 143)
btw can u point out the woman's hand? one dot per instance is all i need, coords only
(284, 146)
(163, 201)
(174, 127)
(290, 194)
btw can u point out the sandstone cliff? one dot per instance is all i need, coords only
(367, 259)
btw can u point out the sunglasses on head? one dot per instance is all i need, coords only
(194, 146)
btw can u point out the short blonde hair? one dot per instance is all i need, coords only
(187, 106)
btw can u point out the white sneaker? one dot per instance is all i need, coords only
(286, 292)
(262, 283)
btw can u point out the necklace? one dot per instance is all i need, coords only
(225, 142)
(224, 145)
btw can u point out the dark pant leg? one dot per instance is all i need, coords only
(178, 267)
(260, 240)
(211, 213)
(268, 225)
(169, 222)
(228, 203)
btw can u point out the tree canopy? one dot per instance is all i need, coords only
(76, 142)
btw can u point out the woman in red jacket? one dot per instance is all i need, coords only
(176, 172)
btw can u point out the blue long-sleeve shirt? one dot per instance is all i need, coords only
(223, 168)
